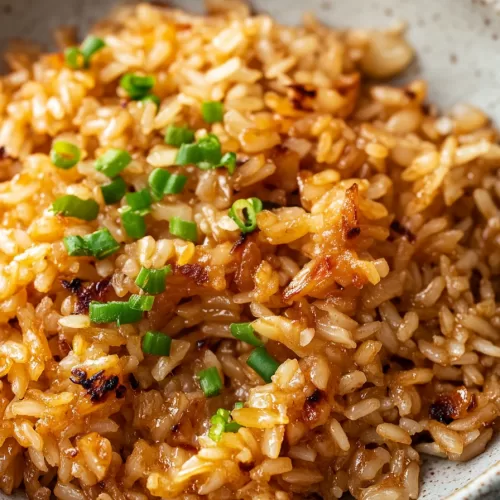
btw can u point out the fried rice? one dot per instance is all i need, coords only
(370, 273)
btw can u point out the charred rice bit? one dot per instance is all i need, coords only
(363, 282)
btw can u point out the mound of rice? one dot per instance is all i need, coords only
(372, 276)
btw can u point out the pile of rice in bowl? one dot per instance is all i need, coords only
(230, 268)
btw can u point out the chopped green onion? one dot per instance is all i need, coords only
(72, 206)
(263, 363)
(212, 111)
(133, 222)
(157, 181)
(205, 154)
(229, 161)
(188, 154)
(151, 98)
(175, 184)
(217, 428)
(64, 154)
(184, 229)
(121, 312)
(238, 405)
(257, 204)
(137, 86)
(141, 302)
(76, 246)
(74, 58)
(140, 200)
(245, 333)
(114, 191)
(244, 213)
(225, 414)
(233, 427)
(100, 245)
(210, 381)
(112, 162)
(177, 136)
(153, 280)
(156, 343)
(90, 46)
(210, 149)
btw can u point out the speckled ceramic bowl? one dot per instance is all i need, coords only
(459, 54)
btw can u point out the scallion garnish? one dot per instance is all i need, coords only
(212, 111)
(210, 381)
(184, 229)
(90, 46)
(72, 206)
(210, 150)
(222, 422)
(141, 302)
(263, 363)
(151, 98)
(112, 162)
(244, 213)
(245, 333)
(133, 222)
(189, 154)
(217, 428)
(140, 200)
(137, 86)
(156, 343)
(238, 405)
(120, 312)
(157, 181)
(177, 136)
(74, 58)
(64, 154)
(175, 184)
(114, 191)
(100, 245)
(229, 161)
(153, 280)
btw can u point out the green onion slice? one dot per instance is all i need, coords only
(141, 302)
(184, 229)
(156, 343)
(212, 111)
(90, 46)
(210, 381)
(245, 333)
(177, 136)
(140, 200)
(100, 245)
(210, 148)
(217, 428)
(233, 427)
(238, 405)
(153, 280)
(157, 181)
(74, 58)
(112, 162)
(137, 86)
(64, 154)
(133, 222)
(119, 312)
(151, 98)
(72, 206)
(229, 161)
(175, 184)
(244, 213)
(188, 154)
(76, 246)
(114, 191)
(263, 363)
